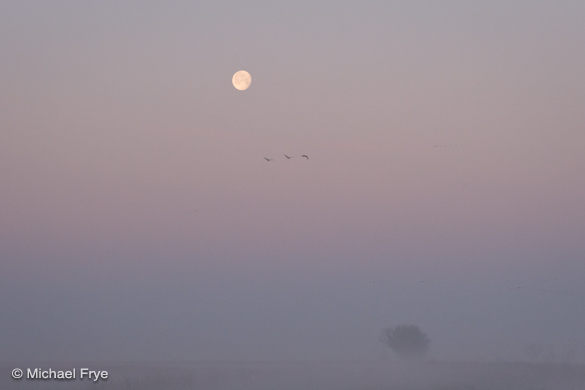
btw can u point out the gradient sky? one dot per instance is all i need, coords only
(447, 144)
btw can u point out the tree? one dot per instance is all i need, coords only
(407, 341)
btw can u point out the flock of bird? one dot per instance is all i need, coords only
(269, 159)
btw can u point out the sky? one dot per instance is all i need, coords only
(139, 220)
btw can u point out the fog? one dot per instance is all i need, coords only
(142, 229)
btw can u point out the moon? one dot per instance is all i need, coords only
(241, 80)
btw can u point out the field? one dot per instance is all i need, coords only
(329, 376)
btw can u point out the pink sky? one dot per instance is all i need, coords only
(446, 142)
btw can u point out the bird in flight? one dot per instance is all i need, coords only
(288, 157)
(305, 156)
(268, 159)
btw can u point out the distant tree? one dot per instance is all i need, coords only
(407, 341)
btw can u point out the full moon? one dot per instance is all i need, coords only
(241, 80)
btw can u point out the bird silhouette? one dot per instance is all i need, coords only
(288, 157)
(268, 159)
(305, 156)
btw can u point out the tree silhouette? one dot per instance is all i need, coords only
(407, 341)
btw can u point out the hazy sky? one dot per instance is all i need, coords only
(447, 145)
